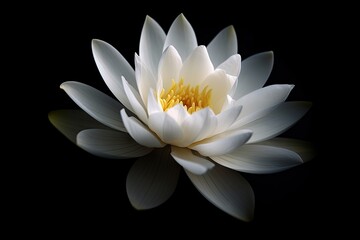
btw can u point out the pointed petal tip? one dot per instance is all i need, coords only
(248, 134)
(269, 54)
(248, 218)
(55, 119)
(97, 45)
(181, 18)
(139, 207)
(201, 47)
(247, 215)
(96, 42)
(246, 130)
(231, 29)
(65, 85)
(170, 48)
(51, 116)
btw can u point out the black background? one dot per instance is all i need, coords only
(67, 189)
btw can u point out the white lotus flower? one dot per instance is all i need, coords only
(202, 101)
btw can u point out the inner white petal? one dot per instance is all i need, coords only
(196, 67)
(169, 67)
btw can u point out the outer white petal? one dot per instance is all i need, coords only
(71, 122)
(144, 78)
(182, 36)
(198, 126)
(169, 67)
(227, 190)
(232, 65)
(112, 65)
(152, 179)
(223, 45)
(196, 67)
(166, 128)
(252, 117)
(222, 143)
(110, 144)
(264, 98)
(135, 101)
(151, 44)
(259, 159)
(97, 104)
(220, 84)
(226, 118)
(278, 121)
(191, 162)
(305, 149)
(255, 71)
(140, 133)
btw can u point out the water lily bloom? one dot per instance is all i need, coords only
(189, 105)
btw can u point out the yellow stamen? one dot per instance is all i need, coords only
(191, 98)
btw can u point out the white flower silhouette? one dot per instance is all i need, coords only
(203, 102)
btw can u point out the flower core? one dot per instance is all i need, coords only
(191, 98)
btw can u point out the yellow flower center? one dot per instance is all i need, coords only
(189, 97)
